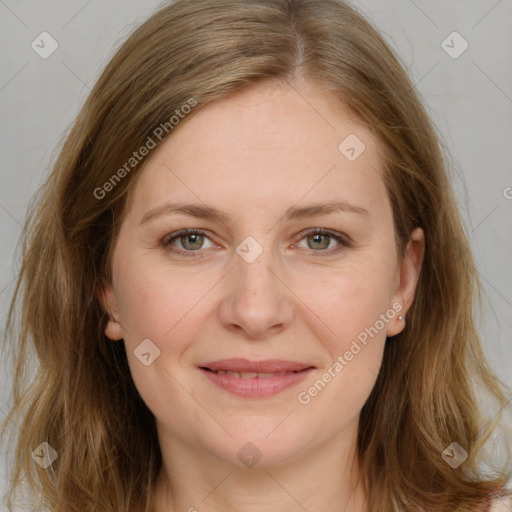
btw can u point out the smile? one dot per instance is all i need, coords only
(255, 379)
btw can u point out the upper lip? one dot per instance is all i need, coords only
(264, 366)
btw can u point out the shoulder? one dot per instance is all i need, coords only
(502, 505)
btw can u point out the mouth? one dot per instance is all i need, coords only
(250, 375)
(255, 379)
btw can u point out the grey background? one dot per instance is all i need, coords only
(469, 98)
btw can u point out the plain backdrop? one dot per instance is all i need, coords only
(468, 94)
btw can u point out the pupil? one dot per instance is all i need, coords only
(318, 238)
(191, 239)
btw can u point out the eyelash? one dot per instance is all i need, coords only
(342, 240)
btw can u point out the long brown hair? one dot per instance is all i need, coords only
(81, 399)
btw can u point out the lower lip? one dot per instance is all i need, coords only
(257, 387)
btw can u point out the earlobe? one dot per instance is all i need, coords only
(113, 330)
(410, 270)
(106, 298)
(397, 325)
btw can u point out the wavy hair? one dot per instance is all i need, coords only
(80, 397)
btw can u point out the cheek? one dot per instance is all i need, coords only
(348, 311)
(155, 300)
(342, 304)
(160, 304)
(346, 318)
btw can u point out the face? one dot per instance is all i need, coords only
(290, 277)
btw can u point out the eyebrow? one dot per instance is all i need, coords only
(293, 213)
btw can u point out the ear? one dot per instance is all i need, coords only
(409, 274)
(106, 298)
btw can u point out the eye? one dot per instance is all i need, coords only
(191, 241)
(321, 241)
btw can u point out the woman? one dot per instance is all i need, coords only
(248, 284)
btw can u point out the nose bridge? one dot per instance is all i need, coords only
(254, 278)
(256, 301)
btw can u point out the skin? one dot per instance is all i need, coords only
(254, 155)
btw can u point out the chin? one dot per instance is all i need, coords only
(263, 447)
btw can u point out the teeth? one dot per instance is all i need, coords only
(249, 375)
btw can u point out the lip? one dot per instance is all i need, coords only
(264, 366)
(292, 373)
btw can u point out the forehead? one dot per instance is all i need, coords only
(267, 146)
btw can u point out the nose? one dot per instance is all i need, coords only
(256, 301)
